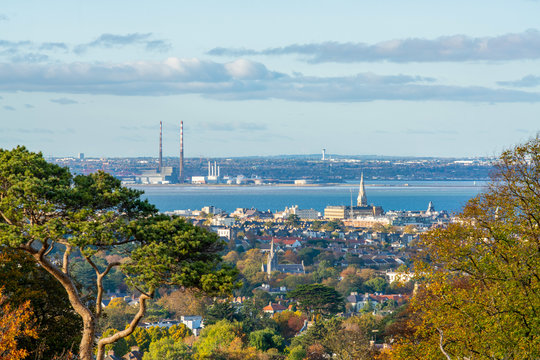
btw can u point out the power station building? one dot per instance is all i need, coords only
(165, 174)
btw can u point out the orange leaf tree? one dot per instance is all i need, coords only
(14, 322)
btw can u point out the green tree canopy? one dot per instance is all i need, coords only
(318, 299)
(44, 209)
(220, 310)
(167, 349)
(265, 339)
(216, 338)
(376, 284)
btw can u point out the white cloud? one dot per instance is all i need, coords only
(26, 51)
(237, 80)
(245, 69)
(525, 45)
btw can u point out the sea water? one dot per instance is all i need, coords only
(391, 195)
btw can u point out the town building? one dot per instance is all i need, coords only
(362, 209)
(272, 264)
(304, 214)
(272, 308)
(342, 212)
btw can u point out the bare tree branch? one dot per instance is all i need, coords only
(126, 332)
(65, 263)
(441, 344)
(6, 219)
(99, 284)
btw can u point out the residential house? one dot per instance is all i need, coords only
(272, 308)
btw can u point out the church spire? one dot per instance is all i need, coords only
(362, 199)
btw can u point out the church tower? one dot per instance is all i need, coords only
(271, 261)
(362, 199)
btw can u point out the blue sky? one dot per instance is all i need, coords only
(420, 78)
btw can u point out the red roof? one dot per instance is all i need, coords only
(398, 298)
(274, 307)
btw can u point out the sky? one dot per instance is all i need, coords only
(388, 77)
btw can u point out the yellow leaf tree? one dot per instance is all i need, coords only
(480, 276)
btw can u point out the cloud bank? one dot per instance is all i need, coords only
(237, 80)
(31, 52)
(526, 81)
(64, 101)
(525, 45)
(229, 126)
(115, 41)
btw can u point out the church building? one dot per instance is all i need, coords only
(272, 264)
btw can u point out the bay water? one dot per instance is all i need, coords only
(391, 195)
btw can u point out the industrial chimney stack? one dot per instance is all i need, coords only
(181, 168)
(160, 146)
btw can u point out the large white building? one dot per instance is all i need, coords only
(301, 213)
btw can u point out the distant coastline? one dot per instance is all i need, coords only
(413, 183)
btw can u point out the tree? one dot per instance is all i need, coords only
(157, 332)
(338, 338)
(167, 349)
(44, 210)
(117, 315)
(289, 323)
(250, 265)
(58, 327)
(290, 257)
(349, 340)
(318, 299)
(14, 322)
(350, 281)
(325, 270)
(265, 339)
(185, 302)
(216, 338)
(232, 257)
(481, 274)
(376, 284)
(218, 311)
(316, 225)
(293, 220)
(297, 353)
(308, 255)
(120, 347)
(332, 225)
(316, 352)
(139, 337)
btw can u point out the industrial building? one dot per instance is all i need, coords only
(165, 174)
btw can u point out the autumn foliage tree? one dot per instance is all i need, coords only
(58, 327)
(14, 322)
(480, 297)
(52, 215)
